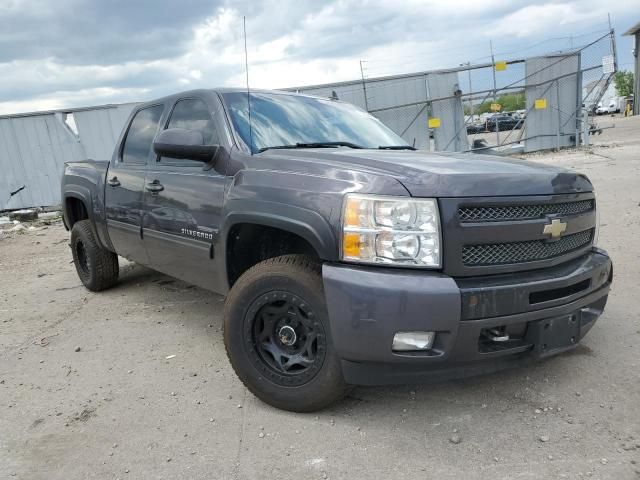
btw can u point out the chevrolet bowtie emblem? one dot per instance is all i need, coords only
(555, 229)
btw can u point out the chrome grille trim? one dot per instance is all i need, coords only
(521, 252)
(500, 213)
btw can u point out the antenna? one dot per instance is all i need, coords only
(246, 66)
(364, 88)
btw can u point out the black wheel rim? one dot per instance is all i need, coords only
(84, 264)
(284, 338)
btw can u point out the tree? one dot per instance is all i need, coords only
(509, 103)
(624, 83)
(484, 107)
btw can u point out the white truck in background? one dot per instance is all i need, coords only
(612, 105)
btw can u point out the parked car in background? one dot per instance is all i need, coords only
(474, 128)
(515, 115)
(503, 122)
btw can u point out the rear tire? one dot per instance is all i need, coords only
(96, 267)
(276, 332)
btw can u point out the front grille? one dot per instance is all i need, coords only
(522, 212)
(519, 252)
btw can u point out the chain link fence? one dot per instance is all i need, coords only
(528, 103)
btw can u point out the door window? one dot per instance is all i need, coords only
(193, 114)
(144, 125)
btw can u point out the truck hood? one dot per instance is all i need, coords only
(427, 174)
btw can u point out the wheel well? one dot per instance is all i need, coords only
(76, 211)
(249, 244)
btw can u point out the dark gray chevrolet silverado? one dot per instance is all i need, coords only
(346, 256)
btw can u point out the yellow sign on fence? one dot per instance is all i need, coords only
(434, 122)
(501, 66)
(541, 103)
(496, 107)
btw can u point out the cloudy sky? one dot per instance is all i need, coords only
(69, 53)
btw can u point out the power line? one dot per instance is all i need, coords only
(447, 53)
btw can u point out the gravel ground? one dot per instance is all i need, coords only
(134, 382)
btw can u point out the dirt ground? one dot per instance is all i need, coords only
(150, 393)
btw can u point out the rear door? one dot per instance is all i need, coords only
(124, 190)
(183, 202)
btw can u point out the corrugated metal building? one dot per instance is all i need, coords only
(35, 146)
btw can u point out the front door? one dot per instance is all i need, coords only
(183, 203)
(124, 190)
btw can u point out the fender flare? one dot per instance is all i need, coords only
(84, 195)
(81, 193)
(303, 222)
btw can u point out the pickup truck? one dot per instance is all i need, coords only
(346, 256)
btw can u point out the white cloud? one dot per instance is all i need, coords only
(540, 19)
(290, 42)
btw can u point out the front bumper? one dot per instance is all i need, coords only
(546, 312)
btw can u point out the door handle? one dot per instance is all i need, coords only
(114, 182)
(154, 187)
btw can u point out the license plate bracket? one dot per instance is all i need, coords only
(554, 335)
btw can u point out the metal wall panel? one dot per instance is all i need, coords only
(554, 79)
(34, 148)
(451, 135)
(408, 122)
(99, 129)
(33, 151)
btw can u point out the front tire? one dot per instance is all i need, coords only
(276, 332)
(96, 267)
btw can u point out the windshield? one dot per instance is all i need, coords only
(280, 119)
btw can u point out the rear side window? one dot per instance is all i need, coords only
(143, 128)
(193, 114)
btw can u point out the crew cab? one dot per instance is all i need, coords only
(346, 256)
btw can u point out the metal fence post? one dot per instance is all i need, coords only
(495, 91)
(579, 93)
(559, 113)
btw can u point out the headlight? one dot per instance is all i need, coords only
(391, 230)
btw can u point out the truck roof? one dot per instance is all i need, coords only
(200, 91)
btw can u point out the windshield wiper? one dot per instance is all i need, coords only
(396, 147)
(312, 145)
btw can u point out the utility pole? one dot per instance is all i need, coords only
(612, 36)
(364, 88)
(495, 91)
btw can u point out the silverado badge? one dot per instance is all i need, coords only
(555, 229)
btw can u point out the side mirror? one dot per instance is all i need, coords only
(183, 144)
